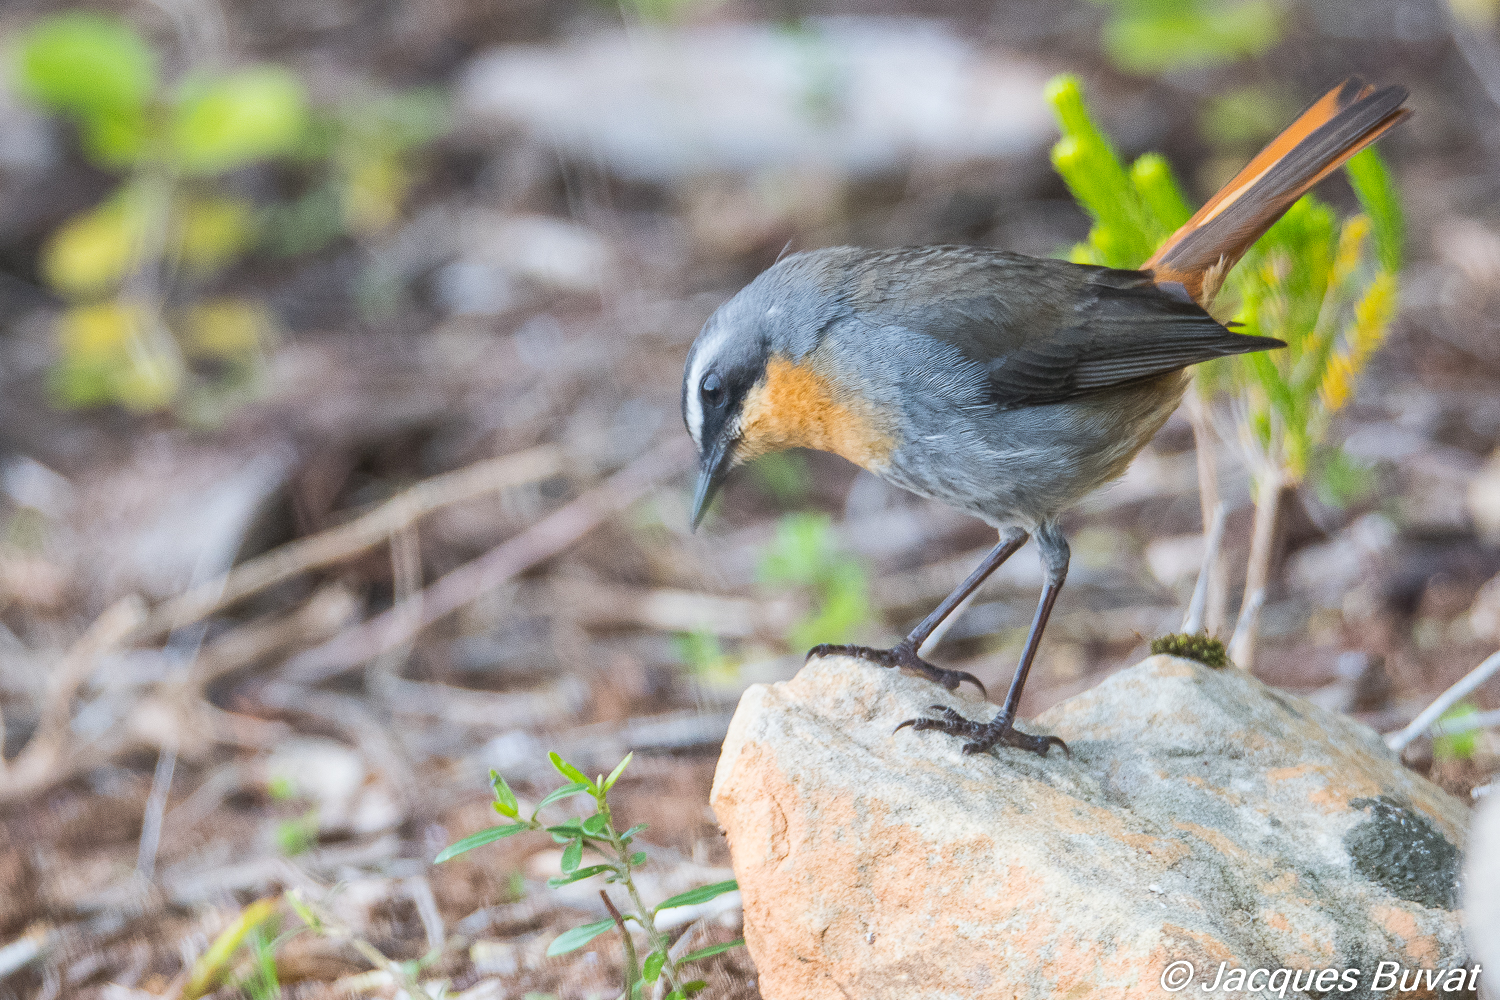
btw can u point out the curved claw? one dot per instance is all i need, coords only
(963, 675)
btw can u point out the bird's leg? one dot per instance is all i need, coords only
(904, 653)
(1001, 730)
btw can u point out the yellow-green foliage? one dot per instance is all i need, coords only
(1327, 288)
(1154, 36)
(130, 270)
(1133, 210)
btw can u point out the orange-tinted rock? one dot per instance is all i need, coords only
(1203, 817)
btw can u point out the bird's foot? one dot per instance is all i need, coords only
(984, 735)
(903, 654)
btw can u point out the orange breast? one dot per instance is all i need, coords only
(796, 406)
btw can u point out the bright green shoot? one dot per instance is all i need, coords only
(1327, 288)
(597, 835)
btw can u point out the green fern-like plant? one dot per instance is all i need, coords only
(1327, 287)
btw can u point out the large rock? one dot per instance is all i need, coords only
(851, 95)
(1203, 818)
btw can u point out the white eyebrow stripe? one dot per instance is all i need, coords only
(701, 358)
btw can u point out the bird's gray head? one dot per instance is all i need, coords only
(781, 315)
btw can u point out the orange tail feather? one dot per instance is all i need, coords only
(1342, 122)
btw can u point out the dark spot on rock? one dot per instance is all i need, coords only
(1398, 848)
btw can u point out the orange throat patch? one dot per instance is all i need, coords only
(796, 406)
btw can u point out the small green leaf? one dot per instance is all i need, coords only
(652, 968)
(700, 895)
(687, 990)
(222, 123)
(628, 834)
(1456, 746)
(90, 66)
(92, 252)
(504, 798)
(572, 855)
(304, 911)
(558, 794)
(614, 775)
(479, 839)
(580, 875)
(212, 232)
(596, 825)
(578, 937)
(710, 951)
(569, 771)
(638, 858)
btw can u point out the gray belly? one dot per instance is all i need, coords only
(1026, 466)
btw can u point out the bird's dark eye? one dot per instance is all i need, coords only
(713, 390)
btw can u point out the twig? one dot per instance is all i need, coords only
(1244, 628)
(540, 542)
(1193, 623)
(54, 749)
(337, 544)
(1258, 572)
(56, 753)
(419, 891)
(632, 961)
(156, 810)
(1205, 450)
(1466, 724)
(1397, 741)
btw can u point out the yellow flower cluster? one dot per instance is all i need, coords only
(1372, 318)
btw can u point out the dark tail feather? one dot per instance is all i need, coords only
(1342, 122)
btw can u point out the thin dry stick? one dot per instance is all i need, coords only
(54, 747)
(337, 544)
(1205, 449)
(1258, 572)
(1397, 741)
(56, 753)
(156, 811)
(542, 541)
(1206, 572)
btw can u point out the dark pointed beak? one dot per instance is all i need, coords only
(713, 469)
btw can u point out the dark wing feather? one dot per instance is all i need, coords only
(1124, 329)
(1047, 330)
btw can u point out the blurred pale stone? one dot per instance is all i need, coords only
(1481, 877)
(1484, 500)
(1484, 613)
(1176, 559)
(1330, 570)
(854, 95)
(1202, 818)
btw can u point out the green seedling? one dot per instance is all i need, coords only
(298, 835)
(1459, 745)
(141, 325)
(595, 835)
(804, 554)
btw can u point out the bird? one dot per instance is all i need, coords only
(1006, 386)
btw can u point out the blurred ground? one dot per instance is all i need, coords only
(604, 190)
